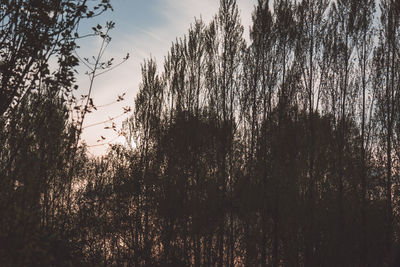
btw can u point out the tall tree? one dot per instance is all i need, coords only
(147, 121)
(311, 16)
(364, 44)
(387, 86)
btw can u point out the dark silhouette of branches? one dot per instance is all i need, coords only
(283, 151)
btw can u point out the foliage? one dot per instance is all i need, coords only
(280, 152)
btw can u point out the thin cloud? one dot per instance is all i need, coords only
(153, 35)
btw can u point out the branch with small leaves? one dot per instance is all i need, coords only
(126, 109)
(96, 66)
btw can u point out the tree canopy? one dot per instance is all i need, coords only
(283, 150)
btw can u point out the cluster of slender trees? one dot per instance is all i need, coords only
(283, 150)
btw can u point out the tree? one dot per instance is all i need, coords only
(364, 42)
(387, 93)
(310, 17)
(32, 32)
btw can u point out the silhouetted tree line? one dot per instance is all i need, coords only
(284, 151)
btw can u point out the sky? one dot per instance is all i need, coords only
(144, 29)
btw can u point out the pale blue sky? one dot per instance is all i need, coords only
(144, 28)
